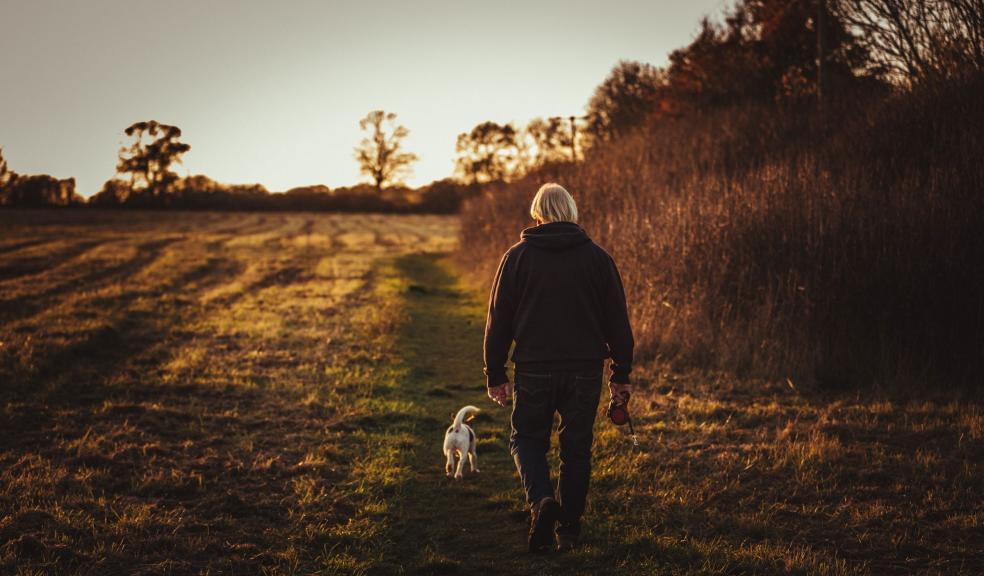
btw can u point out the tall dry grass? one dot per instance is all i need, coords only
(756, 240)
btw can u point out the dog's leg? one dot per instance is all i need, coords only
(473, 459)
(461, 467)
(450, 463)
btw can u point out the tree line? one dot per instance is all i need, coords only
(781, 53)
(784, 53)
(795, 196)
(35, 191)
(145, 178)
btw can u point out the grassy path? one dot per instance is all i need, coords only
(436, 525)
(477, 524)
(710, 490)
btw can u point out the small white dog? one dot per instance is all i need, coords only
(459, 441)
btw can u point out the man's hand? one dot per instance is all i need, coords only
(620, 392)
(501, 394)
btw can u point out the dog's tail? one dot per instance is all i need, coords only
(462, 414)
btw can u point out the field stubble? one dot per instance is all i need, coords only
(265, 393)
(177, 387)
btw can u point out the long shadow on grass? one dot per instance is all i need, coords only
(78, 367)
(439, 342)
(130, 345)
(27, 305)
(207, 466)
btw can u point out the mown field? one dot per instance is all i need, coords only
(201, 393)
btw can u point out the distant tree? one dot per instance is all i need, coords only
(6, 176)
(719, 66)
(40, 190)
(443, 196)
(765, 50)
(489, 152)
(314, 197)
(552, 139)
(4, 171)
(198, 184)
(380, 155)
(35, 190)
(149, 158)
(114, 192)
(783, 35)
(314, 190)
(626, 97)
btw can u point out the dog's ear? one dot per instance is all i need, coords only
(452, 416)
(470, 418)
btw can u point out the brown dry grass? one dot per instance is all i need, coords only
(751, 473)
(177, 388)
(752, 240)
(266, 393)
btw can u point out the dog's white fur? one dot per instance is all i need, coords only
(460, 441)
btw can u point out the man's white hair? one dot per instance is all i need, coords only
(553, 203)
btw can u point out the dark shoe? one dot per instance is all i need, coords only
(567, 536)
(566, 542)
(545, 513)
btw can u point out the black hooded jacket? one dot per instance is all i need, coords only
(559, 296)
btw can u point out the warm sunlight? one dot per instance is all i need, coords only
(621, 288)
(272, 93)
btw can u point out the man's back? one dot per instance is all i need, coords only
(560, 297)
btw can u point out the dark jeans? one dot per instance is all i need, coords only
(575, 396)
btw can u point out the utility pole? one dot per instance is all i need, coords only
(573, 119)
(821, 114)
(821, 20)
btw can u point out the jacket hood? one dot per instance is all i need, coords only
(556, 236)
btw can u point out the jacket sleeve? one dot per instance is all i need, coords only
(498, 325)
(618, 333)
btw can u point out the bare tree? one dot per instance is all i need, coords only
(913, 40)
(380, 154)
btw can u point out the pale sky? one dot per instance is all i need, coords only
(272, 92)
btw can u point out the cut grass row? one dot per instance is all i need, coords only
(199, 409)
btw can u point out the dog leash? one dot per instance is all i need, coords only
(618, 413)
(632, 434)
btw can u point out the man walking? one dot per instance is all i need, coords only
(559, 297)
